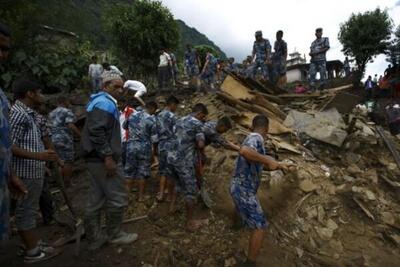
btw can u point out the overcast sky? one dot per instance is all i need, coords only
(231, 23)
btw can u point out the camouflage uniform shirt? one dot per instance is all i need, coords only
(61, 135)
(245, 183)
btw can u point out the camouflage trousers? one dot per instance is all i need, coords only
(260, 64)
(138, 160)
(318, 66)
(192, 70)
(185, 176)
(278, 69)
(248, 207)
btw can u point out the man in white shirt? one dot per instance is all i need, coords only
(164, 69)
(95, 71)
(138, 87)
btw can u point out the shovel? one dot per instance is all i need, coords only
(205, 197)
(77, 223)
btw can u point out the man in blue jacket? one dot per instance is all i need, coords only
(101, 147)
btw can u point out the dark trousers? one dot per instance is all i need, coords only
(163, 76)
(46, 203)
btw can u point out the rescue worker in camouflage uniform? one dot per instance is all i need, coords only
(261, 56)
(279, 60)
(62, 130)
(246, 180)
(318, 58)
(165, 122)
(192, 64)
(213, 131)
(232, 66)
(142, 130)
(189, 137)
(209, 71)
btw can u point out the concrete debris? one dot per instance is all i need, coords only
(388, 218)
(327, 126)
(299, 252)
(324, 233)
(307, 186)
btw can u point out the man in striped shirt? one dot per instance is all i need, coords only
(29, 157)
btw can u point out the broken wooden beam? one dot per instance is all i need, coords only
(261, 101)
(272, 98)
(389, 144)
(254, 108)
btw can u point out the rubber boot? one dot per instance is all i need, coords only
(115, 234)
(94, 235)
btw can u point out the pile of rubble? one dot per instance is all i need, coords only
(341, 208)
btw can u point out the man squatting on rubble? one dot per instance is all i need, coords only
(246, 180)
(101, 146)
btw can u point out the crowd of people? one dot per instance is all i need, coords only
(263, 63)
(387, 85)
(119, 143)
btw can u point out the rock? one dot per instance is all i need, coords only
(324, 233)
(312, 243)
(231, 262)
(353, 169)
(370, 195)
(312, 213)
(372, 175)
(326, 126)
(395, 238)
(367, 193)
(331, 225)
(352, 158)
(321, 214)
(388, 218)
(392, 166)
(348, 178)
(299, 252)
(307, 186)
(336, 245)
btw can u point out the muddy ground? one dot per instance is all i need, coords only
(314, 219)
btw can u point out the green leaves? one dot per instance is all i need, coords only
(365, 35)
(139, 31)
(53, 66)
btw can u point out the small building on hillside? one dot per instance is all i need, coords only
(298, 69)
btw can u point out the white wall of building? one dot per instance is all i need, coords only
(293, 75)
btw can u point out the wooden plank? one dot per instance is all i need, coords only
(261, 101)
(237, 90)
(250, 107)
(389, 145)
(269, 97)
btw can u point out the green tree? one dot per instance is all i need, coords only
(139, 31)
(364, 36)
(393, 54)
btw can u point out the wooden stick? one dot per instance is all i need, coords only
(389, 145)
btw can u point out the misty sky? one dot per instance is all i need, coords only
(231, 23)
